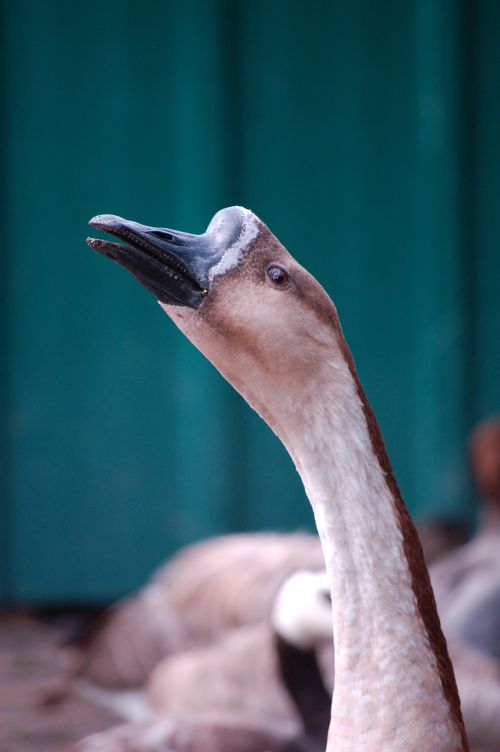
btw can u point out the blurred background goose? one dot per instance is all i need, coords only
(265, 670)
(206, 589)
(466, 581)
(254, 678)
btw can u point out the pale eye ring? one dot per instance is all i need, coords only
(278, 275)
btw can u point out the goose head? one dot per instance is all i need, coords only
(240, 297)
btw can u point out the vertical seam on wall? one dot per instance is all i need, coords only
(231, 71)
(5, 454)
(469, 205)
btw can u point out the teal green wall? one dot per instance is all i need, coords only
(364, 133)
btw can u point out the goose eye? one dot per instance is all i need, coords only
(278, 276)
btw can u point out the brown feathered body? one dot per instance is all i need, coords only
(202, 592)
(237, 674)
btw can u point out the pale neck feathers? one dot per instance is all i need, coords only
(389, 692)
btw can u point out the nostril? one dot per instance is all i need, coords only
(162, 235)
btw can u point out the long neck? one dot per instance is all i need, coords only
(394, 684)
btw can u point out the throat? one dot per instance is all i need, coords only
(394, 684)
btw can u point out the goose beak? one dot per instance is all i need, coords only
(175, 266)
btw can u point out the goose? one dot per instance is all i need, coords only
(261, 670)
(256, 678)
(272, 331)
(467, 580)
(207, 588)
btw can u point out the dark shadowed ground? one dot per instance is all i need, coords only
(28, 666)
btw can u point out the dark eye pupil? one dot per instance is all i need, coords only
(277, 275)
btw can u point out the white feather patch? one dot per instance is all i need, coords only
(232, 256)
(302, 611)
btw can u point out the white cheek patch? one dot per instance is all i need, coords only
(232, 256)
(302, 615)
